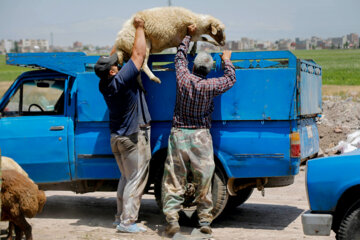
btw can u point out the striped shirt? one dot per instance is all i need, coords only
(194, 94)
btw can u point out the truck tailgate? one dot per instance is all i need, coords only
(310, 75)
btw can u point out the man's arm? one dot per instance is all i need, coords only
(181, 62)
(224, 83)
(128, 73)
(139, 47)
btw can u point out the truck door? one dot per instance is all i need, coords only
(34, 128)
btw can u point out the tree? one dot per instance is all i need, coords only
(16, 49)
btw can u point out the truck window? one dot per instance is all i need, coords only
(37, 97)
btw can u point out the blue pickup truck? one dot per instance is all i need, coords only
(333, 189)
(54, 123)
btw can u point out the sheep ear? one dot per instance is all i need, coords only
(213, 30)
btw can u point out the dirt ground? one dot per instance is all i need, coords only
(3, 87)
(276, 216)
(89, 216)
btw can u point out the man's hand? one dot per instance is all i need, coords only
(138, 22)
(139, 48)
(226, 55)
(191, 29)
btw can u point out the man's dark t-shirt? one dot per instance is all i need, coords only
(125, 100)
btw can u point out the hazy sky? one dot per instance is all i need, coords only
(98, 21)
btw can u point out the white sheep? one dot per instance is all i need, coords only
(9, 164)
(166, 27)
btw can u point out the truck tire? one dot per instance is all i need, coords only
(240, 198)
(350, 224)
(218, 189)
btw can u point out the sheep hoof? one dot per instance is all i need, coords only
(155, 79)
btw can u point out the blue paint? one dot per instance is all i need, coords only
(328, 178)
(274, 95)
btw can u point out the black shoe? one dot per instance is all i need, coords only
(172, 228)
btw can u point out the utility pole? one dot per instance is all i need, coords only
(169, 3)
(51, 41)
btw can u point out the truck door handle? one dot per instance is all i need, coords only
(57, 128)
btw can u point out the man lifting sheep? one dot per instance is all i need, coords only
(130, 128)
(190, 144)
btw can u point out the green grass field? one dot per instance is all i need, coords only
(340, 67)
(7, 72)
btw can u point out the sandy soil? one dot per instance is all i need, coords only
(89, 216)
(3, 87)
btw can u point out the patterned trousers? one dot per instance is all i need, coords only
(132, 155)
(189, 150)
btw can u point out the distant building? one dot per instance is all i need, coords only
(77, 45)
(244, 44)
(6, 46)
(233, 45)
(247, 44)
(339, 42)
(324, 44)
(353, 39)
(302, 44)
(33, 45)
(285, 44)
(264, 45)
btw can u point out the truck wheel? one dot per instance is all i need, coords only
(349, 226)
(218, 189)
(240, 198)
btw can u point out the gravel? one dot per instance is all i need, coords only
(339, 118)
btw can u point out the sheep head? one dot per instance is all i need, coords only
(217, 31)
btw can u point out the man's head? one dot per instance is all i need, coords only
(106, 67)
(203, 64)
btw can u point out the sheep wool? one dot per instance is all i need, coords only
(165, 27)
(20, 198)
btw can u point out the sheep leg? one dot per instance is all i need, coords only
(120, 55)
(145, 66)
(10, 231)
(18, 233)
(138, 79)
(113, 50)
(22, 226)
(193, 49)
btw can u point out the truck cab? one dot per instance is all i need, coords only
(55, 123)
(333, 191)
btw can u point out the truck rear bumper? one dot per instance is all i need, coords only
(316, 224)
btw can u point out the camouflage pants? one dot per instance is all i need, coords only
(189, 150)
(132, 155)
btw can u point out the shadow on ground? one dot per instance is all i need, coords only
(98, 211)
(258, 216)
(95, 211)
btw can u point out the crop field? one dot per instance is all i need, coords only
(7, 72)
(340, 67)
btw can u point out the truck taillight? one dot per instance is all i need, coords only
(295, 145)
